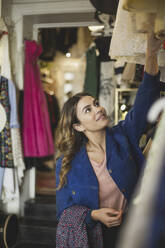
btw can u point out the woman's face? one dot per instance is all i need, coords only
(91, 115)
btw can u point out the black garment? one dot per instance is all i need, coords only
(110, 236)
(6, 155)
(48, 40)
(139, 73)
(65, 39)
(106, 6)
(54, 112)
(119, 70)
(53, 39)
(103, 44)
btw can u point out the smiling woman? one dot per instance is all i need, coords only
(98, 166)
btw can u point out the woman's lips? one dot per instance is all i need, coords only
(102, 116)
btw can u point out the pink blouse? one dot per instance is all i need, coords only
(109, 193)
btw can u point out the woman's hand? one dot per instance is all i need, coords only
(153, 46)
(108, 216)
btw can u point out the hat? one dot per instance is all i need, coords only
(2, 117)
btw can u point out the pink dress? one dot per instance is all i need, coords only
(37, 136)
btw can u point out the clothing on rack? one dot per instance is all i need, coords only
(10, 189)
(5, 63)
(56, 40)
(102, 44)
(91, 84)
(106, 6)
(147, 6)
(6, 155)
(148, 204)
(128, 74)
(13, 105)
(107, 88)
(54, 112)
(162, 74)
(133, 44)
(3, 117)
(2, 171)
(156, 7)
(37, 136)
(15, 133)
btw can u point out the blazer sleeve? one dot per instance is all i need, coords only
(135, 122)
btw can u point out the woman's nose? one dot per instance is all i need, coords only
(98, 109)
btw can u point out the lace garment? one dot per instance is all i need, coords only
(107, 88)
(148, 6)
(17, 153)
(127, 45)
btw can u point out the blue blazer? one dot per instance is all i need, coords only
(124, 156)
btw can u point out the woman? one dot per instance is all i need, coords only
(99, 166)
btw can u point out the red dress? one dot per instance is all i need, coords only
(37, 136)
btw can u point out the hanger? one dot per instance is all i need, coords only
(156, 110)
(2, 33)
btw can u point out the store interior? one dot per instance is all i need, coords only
(105, 59)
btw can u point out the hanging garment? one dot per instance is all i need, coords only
(29, 161)
(144, 21)
(148, 6)
(162, 74)
(91, 84)
(156, 231)
(102, 44)
(15, 134)
(65, 39)
(139, 71)
(13, 105)
(129, 72)
(2, 171)
(17, 154)
(72, 230)
(10, 188)
(106, 6)
(147, 207)
(126, 45)
(6, 156)
(37, 136)
(140, 5)
(133, 45)
(48, 39)
(5, 63)
(3, 117)
(54, 112)
(159, 28)
(107, 88)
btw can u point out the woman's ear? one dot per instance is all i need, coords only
(78, 127)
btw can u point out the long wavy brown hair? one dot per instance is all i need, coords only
(68, 140)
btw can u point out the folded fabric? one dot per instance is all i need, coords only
(72, 230)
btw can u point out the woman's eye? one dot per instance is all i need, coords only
(96, 103)
(87, 110)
